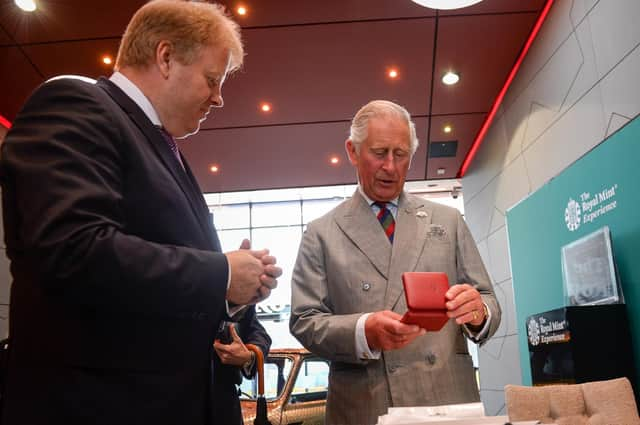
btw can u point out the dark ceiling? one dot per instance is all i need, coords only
(316, 62)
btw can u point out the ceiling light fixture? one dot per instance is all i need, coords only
(446, 4)
(393, 73)
(241, 10)
(214, 168)
(265, 107)
(107, 60)
(450, 78)
(334, 160)
(26, 5)
(447, 128)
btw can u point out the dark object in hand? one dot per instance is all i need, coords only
(224, 335)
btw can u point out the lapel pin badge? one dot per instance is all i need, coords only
(366, 286)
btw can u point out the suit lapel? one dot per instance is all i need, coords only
(361, 226)
(412, 224)
(183, 177)
(206, 218)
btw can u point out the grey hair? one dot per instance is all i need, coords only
(380, 108)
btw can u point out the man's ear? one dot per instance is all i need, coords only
(164, 53)
(350, 147)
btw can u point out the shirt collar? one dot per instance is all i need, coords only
(370, 201)
(134, 92)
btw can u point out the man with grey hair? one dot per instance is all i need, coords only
(119, 283)
(347, 293)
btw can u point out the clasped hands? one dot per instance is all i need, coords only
(385, 331)
(253, 274)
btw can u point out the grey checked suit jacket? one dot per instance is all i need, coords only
(346, 267)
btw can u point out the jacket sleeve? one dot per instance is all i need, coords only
(312, 320)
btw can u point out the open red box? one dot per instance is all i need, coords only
(425, 295)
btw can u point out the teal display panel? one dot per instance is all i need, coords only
(601, 188)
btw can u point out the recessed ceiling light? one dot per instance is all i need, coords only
(447, 128)
(450, 78)
(393, 73)
(26, 5)
(107, 60)
(334, 160)
(446, 4)
(440, 171)
(214, 168)
(242, 10)
(265, 107)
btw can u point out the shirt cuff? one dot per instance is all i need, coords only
(362, 346)
(248, 366)
(226, 303)
(479, 336)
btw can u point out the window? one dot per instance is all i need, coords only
(276, 374)
(312, 381)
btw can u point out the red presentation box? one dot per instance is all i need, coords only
(425, 295)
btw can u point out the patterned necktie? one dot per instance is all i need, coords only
(172, 144)
(386, 220)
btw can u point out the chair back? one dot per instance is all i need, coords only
(593, 403)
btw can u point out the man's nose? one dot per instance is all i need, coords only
(216, 99)
(389, 163)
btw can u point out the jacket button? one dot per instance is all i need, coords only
(392, 368)
(431, 358)
(366, 286)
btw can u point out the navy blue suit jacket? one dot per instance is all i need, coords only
(118, 279)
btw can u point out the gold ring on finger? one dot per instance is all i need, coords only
(474, 314)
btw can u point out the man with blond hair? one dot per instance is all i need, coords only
(347, 295)
(119, 285)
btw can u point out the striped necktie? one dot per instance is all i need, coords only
(386, 220)
(172, 144)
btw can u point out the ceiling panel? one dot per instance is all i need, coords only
(326, 72)
(464, 130)
(17, 81)
(316, 62)
(483, 59)
(254, 158)
(497, 6)
(67, 20)
(78, 57)
(4, 38)
(296, 12)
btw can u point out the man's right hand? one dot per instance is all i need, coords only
(267, 277)
(246, 268)
(385, 331)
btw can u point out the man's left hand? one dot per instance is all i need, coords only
(236, 353)
(465, 305)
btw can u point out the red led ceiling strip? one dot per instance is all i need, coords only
(5, 122)
(496, 104)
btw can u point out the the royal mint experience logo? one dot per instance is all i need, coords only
(572, 215)
(533, 331)
(590, 207)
